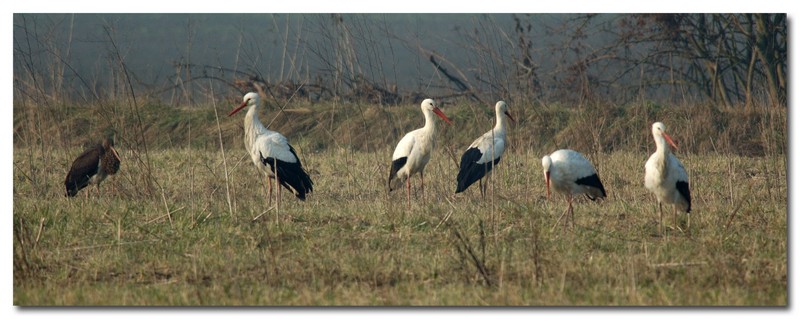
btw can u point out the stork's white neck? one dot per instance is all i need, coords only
(661, 145)
(502, 123)
(252, 126)
(546, 163)
(661, 154)
(430, 124)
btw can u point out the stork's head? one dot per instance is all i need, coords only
(546, 163)
(108, 146)
(428, 105)
(502, 108)
(108, 142)
(249, 99)
(660, 132)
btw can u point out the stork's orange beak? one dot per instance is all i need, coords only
(439, 112)
(237, 109)
(669, 140)
(547, 181)
(510, 117)
(113, 151)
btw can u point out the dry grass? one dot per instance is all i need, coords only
(173, 239)
(351, 243)
(700, 129)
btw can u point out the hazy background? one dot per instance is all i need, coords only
(395, 58)
(278, 47)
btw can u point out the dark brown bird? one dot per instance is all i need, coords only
(92, 167)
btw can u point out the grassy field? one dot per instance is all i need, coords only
(203, 234)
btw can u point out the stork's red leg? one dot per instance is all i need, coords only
(269, 192)
(571, 213)
(688, 220)
(422, 177)
(484, 186)
(675, 218)
(278, 187)
(408, 191)
(566, 214)
(660, 219)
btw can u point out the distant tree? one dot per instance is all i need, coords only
(726, 57)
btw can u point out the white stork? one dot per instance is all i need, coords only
(570, 173)
(484, 153)
(271, 152)
(414, 151)
(92, 167)
(665, 176)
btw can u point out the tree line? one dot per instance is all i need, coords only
(732, 59)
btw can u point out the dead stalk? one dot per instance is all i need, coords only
(222, 150)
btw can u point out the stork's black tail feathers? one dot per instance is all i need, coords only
(470, 171)
(683, 189)
(72, 187)
(292, 176)
(596, 189)
(396, 166)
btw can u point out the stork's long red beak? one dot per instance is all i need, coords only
(510, 117)
(113, 151)
(438, 112)
(239, 108)
(669, 140)
(547, 181)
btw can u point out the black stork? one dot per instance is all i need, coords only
(92, 167)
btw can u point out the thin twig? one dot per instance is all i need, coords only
(678, 264)
(166, 206)
(165, 215)
(222, 149)
(264, 212)
(464, 244)
(739, 206)
(109, 245)
(38, 234)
